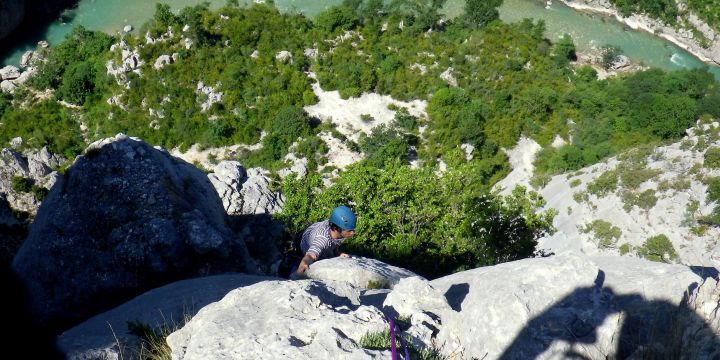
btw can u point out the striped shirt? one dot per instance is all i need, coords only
(317, 240)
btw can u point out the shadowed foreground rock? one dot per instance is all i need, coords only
(109, 335)
(123, 219)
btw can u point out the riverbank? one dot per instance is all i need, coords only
(683, 38)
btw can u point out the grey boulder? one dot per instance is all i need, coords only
(123, 219)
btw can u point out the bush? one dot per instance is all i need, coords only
(384, 144)
(606, 234)
(624, 248)
(634, 175)
(22, 184)
(336, 17)
(645, 200)
(713, 189)
(77, 83)
(604, 184)
(411, 218)
(712, 158)
(658, 248)
(610, 54)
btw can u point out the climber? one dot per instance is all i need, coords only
(322, 239)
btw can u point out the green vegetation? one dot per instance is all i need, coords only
(25, 185)
(713, 195)
(712, 158)
(604, 184)
(610, 55)
(666, 10)
(380, 340)
(21, 184)
(707, 10)
(44, 124)
(606, 234)
(511, 81)
(658, 248)
(645, 200)
(153, 344)
(633, 175)
(624, 248)
(413, 219)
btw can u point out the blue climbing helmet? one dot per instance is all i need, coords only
(343, 217)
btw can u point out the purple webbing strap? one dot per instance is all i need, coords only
(393, 350)
(404, 345)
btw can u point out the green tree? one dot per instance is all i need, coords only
(658, 248)
(337, 17)
(384, 144)
(610, 54)
(478, 13)
(564, 51)
(412, 218)
(77, 83)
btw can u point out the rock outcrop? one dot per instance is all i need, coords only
(562, 307)
(282, 320)
(559, 307)
(110, 335)
(360, 272)
(249, 203)
(125, 217)
(244, 191)
(37, 166)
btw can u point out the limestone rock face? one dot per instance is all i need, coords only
(107, 335)
(282, 320)
(9, 73)
(244, 191)
(249, 202)
(554, 307)
(358, 271)
(36, 165)
(563, 307)
(124, 218)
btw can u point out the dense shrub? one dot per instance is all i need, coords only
(604, 184)
(410, 218)
(606, 234)
(712, 158)
(21, 184)
(658, 248)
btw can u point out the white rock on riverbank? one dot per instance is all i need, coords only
(682, 37)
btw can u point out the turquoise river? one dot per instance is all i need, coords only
(587, 30)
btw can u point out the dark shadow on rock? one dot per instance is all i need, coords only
(455, 295)
(651, 329)
(123, 219)
(22, 334)
(374, 297)
(261, 235)
(13, 231)
(705, 271)
(336, 302)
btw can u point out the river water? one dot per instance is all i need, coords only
(587, 30)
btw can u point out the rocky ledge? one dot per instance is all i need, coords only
(562, 307)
